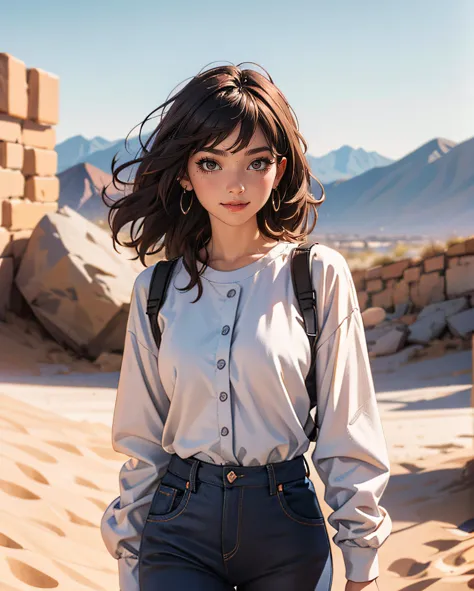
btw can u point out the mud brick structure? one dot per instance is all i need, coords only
(29, 187)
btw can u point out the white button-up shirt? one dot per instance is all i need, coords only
(227, 386)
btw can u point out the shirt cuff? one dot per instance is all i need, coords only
(128, 573)
(362, 564)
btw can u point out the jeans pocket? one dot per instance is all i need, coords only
(170, 499)
(299, 502)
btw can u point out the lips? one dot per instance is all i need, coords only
(232, 207)
(236, 203)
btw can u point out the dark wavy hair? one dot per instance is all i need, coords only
(203, 114)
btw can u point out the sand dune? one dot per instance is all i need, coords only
(59, 474)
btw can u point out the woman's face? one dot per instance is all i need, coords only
(218, 179)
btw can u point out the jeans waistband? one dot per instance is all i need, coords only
(193, 470)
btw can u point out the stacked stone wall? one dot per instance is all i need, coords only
(419, 282)
(29, 187)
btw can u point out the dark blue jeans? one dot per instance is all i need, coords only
(257, 528)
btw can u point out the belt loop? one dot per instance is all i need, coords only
(271, 478)
(192, 474)
(307, 467)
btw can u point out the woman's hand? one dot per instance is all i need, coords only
(366, 586)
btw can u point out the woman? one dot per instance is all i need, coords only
(216, 493)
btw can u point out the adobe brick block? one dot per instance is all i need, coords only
(401, 293)
(13, 86)
(395, 270)
(43, 96)
(36, 135)
(10, 128)
(42, 188)
(460, 278)
(12, 183)
(412, 274)
(435, 263)
(374, 272)
(429, 289)
(383, 299)
(469, 245)
(11, 155)
(374, 285)
(453, 262)
(38, 162)
(22, 214)
(6, 281)
(456, 249)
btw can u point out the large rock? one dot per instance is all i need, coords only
(449, 307)
(462, 324)
(391, 342)
(427, 328)
(373, 316)
(77, 285)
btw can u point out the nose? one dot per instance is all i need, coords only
(236, 188)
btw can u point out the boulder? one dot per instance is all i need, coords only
(76, 284)
(372, 335)
(462, 324)
(391, 342)
(427, 327)
(449, 307)
(373, 316)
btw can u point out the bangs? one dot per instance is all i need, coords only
(220, 115)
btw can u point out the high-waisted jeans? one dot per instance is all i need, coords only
(214, 528)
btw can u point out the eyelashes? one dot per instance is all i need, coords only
(200, 163)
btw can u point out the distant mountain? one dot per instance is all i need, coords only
(429, 191)
(345, 163)
(98, 151)
(78, 149)
(80, 188)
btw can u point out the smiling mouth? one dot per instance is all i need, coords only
(236, 203)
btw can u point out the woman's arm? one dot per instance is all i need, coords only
(351, 455)
(141, 409)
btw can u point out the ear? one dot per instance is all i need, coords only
(281, 169)
(184, 182)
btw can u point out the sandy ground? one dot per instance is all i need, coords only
(59, 471)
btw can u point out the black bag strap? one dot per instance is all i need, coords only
(306, 296)
(159, 282)
(307, 301)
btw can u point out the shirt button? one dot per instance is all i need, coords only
(231, 293)
(223, 396)
(224, 431)
(225, 329)
(221, 363)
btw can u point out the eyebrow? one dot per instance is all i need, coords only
(225, 153)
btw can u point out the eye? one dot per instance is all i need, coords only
(205, 161)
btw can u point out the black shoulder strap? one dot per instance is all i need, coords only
(307, 301)
(159, 282)
(306, 296)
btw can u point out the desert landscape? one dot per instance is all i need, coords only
(64, 303)
(59, 471)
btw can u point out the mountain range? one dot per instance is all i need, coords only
(430, 191)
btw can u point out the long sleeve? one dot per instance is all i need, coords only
(351, 455)
(140, 412)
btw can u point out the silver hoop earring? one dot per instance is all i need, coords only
(181, 202)
(273, 201)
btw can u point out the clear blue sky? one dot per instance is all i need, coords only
(384, 76)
